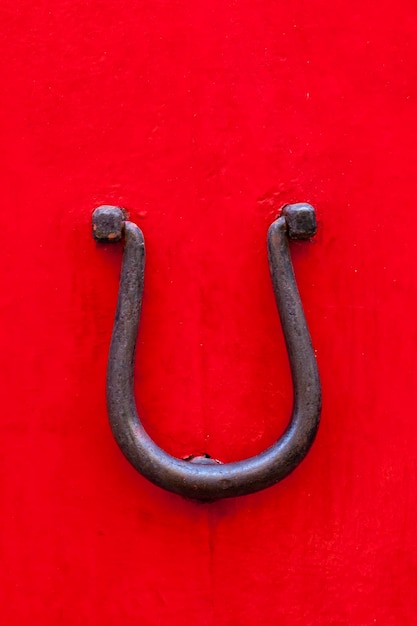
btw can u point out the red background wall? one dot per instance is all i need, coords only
(203, 119)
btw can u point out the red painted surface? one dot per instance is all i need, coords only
(203, 119)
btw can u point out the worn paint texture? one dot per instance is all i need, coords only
(202, 119)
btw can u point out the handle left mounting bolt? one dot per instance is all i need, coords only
(108, 223)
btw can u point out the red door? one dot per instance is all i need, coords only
(203, 119)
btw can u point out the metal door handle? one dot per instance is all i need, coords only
(203, 478)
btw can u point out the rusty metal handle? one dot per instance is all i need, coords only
(203, 478)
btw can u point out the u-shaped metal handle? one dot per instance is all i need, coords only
(203, 478)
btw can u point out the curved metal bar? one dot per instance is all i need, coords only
(205, 479)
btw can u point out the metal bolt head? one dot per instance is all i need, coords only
(108, 223)
(301, 220)
(204, 459)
